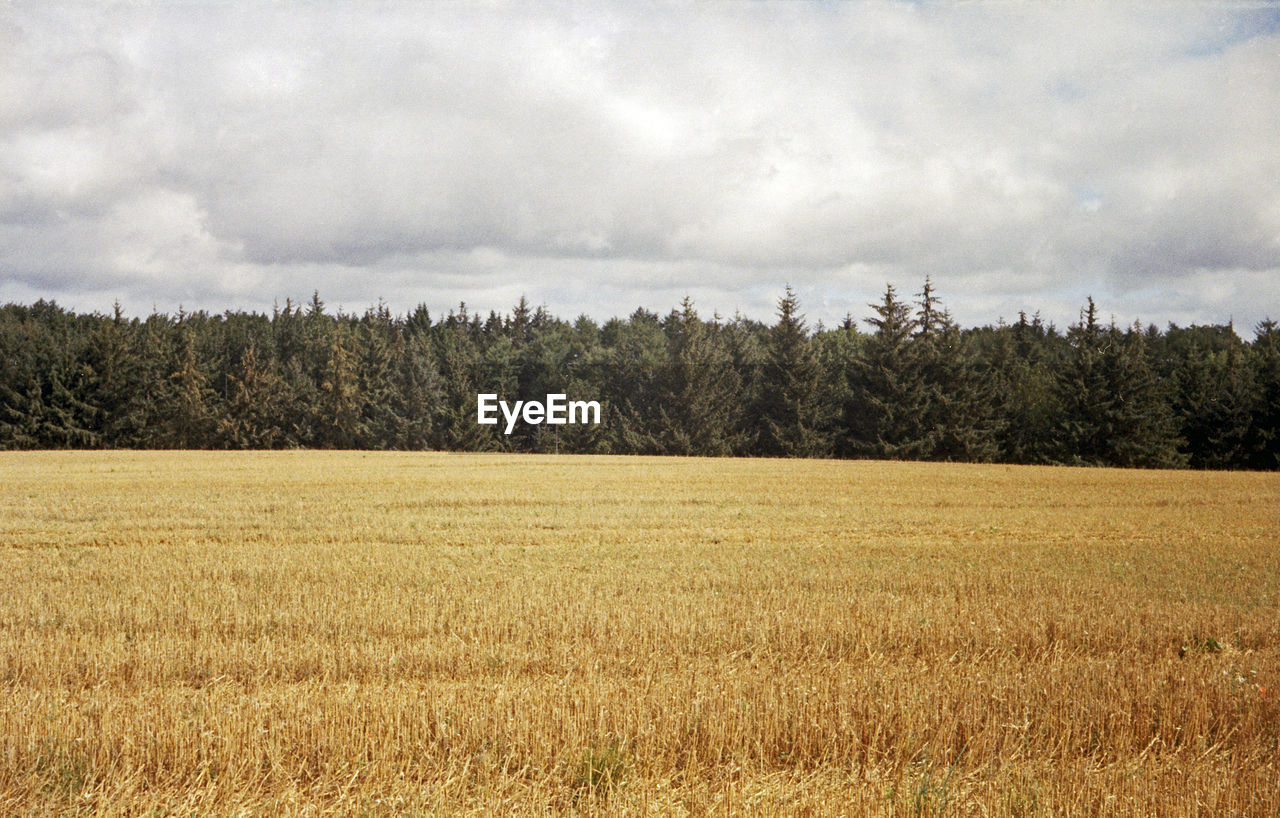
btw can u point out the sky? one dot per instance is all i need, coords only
(600, 157)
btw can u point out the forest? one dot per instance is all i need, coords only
(905, 382)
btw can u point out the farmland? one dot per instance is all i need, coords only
(394, 633)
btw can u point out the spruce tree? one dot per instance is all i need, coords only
(698, 409)
(746, 341)
(1024, 399)
(378, 358)
(889, 399)
(251, 419)
(340, 421)
(1265, 414)
(1141, 425)
(1084, 394)
(462, 378)
(300, 354)
(418, 392)
(118, 390)
(795, 414)
(957, 420)
(1117, 411)
(581, 365)
(628, 371)
(837, 348)
(193, 421)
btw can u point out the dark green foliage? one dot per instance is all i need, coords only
(916, 386)
(794, 412)
(1214, 398)
(462, 364)
(45, 379)
(1021, 362)
(885, 415)
(253, 415)
(698, 405)
(1115, 409)
(960, 395)
(1265, 417)
(628, 370)
(191, 422)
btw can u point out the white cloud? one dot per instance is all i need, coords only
(601, 158)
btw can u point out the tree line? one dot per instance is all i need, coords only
(908, 384)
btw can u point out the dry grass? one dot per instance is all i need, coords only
(388, 634)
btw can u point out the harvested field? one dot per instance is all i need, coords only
(308, 633)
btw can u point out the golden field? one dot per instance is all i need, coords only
(317, 633)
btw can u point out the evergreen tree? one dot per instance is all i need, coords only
(916, 386)
(837, 351)
(45, 384)
(193, 421)
(117, 383)
(154, 401)
(1084, 394)
(1213, 405)
(418, 391)
(745, 341)
(582, 366)
(698, 409)
(1117, 413)
(462, 377)
(300, 354)
(1024, 397)
(1265, 416)
(252, 412)
(22, 410)
(340, 424)
(796, 417)
(957, 414)
(889, 399)
(628, 371)
(1142, 427)
(378, 354)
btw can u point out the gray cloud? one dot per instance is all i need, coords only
(603, 158)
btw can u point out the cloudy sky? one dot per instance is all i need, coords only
(601, 157)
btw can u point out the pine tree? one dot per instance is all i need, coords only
(376, 350)
(1142, 428)
(1117, 412)
(837, 349)
(957, 416)
(538, 352)
(300, 355)
(462, 376)
(418, 391)
(745, 341)
(21, 396)
(628, 371)
(1023, 393)
(582, 365)
(118, 388)
(45, 382)
(252, 412)
(1230, 442)
(1084, 393)
(154, 400)
(889, 399)
(698, 409)
(796, 416)
(1265, 414)
(192, 423)
(916, 386)
(341, 424)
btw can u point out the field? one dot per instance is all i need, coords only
(308, 633)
